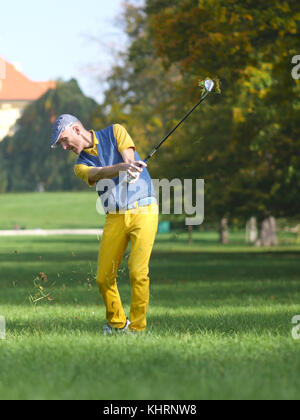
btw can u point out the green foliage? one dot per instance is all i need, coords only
(3, 176)
(28, 162)
(249, 45)
(244, 143)
(141, 95)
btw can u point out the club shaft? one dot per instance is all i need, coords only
(175, 128)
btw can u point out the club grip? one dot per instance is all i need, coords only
(130, 179)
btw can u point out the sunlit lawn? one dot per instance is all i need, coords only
(219, 323)
(64, 210)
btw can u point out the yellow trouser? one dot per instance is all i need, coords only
(139, 226)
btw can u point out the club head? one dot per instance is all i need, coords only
(209, 85)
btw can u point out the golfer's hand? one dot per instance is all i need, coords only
(134, 169)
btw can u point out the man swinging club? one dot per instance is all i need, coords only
(103, 155)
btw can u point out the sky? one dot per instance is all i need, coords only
(53, 39)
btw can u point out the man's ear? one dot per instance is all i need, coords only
(76, 128)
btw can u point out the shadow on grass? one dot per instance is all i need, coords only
(166, 324)
(20, 257)
(185, 259)
(229, 324)
(177, 279)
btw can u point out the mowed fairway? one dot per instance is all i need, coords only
(219, 323)
(62, 210)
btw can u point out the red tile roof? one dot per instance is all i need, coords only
(17, 87)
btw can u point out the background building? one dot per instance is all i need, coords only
(16, 91)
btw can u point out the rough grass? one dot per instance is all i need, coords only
(219, 323)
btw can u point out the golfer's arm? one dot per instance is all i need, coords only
(128, 155)
(106, 172)
(96, 174)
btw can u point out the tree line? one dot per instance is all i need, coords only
(244, 143)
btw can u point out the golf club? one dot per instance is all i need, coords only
(208, 86)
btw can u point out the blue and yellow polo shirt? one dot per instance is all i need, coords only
(124, 141)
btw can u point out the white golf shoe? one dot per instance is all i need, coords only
(108, 330)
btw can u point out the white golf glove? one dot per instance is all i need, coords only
(132, 177)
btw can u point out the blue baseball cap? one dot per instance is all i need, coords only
(59, 126)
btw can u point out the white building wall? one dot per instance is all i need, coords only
(9, 114)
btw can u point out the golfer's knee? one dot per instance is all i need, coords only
(137, 276)
(102, 280)
(107, 276)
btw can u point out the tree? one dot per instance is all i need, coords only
(249, 44)
(243, 144)
(140, 94)
(29, 162)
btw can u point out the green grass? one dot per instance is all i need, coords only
(63, 210)
(219, 323)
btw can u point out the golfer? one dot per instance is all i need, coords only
(103, 156)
